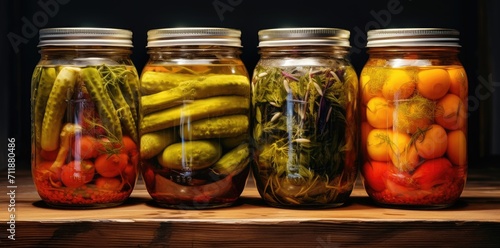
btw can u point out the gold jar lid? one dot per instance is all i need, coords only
(85, 36)
(306, 36)
(413, 37)
(194, 36)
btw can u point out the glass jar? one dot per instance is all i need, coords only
(195, 129)
(414, 109)
(304, 118)
(84, 102)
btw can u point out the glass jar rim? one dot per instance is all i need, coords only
(413, 37)
(304, 36)
(187, 36)
(85, 36)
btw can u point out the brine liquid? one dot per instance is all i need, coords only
(85, 147)
(195, 134)
(414, 134)
(304, 133)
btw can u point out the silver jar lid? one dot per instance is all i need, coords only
(304, 37)
(413, 37)
(194, 36)
(85, 36)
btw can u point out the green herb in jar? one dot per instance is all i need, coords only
(298, 113)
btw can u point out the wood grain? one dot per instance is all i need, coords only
(473, 222)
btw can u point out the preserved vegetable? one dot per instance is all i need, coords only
(304, 119)
(414, 118)
(194, 98)
(85, 133)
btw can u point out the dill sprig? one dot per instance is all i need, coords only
(302, 131)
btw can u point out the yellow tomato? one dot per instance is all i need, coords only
(433, 83)
(457, 148)
(365, 130)
(432, 142)
(368, 89)
(413, 114)
(451, 112)
(402, 152)
(379, 113)
(371, 80)
(377, 145)
(458, 83)
(398, 85)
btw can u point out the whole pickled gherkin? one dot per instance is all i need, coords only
(45, 81)
(107, 112)
(62, 89)
(212, 85)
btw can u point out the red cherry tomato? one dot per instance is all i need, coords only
(85, 147)
(433, 172)
(111, 165)
(77, 173)
(375, 174)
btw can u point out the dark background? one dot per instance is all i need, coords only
(477, 21)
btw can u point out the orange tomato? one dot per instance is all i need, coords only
(432, 143)
(451, 112)
(399, 85)
(458, 83)
(433, 83)
(377, 145)
(457, 148)
(379, 113)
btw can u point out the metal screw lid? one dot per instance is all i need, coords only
(413, 37)
(194, 36)
(85, 36)
(304, 37)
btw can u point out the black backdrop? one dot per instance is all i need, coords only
(21, 20)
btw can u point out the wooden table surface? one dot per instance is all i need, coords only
(473, 222)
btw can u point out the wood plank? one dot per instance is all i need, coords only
(284, 234)
(473, 222)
